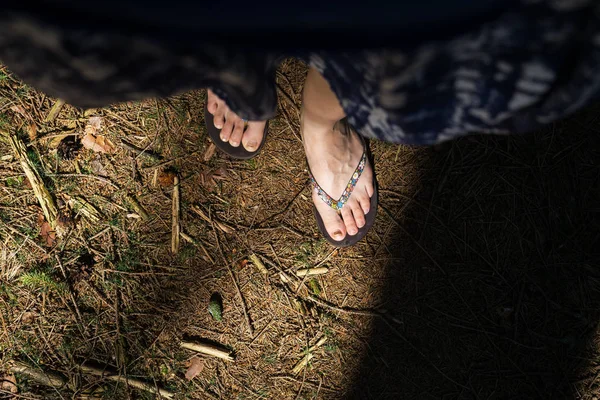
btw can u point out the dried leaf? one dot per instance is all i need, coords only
(47, 234)
(196, 366)
(166, 178)
(209, 178)
(32, 131)
(220, 174)
(93, 141)
(98, 167)
(9, 383)
(94, 126)
(99, 144)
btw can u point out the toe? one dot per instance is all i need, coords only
(333, 223)
(212, 102)
(227, 129)
(238, 131)
(219, 117)
(349, 221)
(253, 135)
(365, 203)
(359, 215)
(369, 188)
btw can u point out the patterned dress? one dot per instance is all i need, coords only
(524, 65)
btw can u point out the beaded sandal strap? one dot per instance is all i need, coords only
(338, 204)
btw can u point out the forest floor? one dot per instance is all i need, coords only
(480, 279)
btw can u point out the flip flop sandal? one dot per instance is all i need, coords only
(337, 205)
(236, 152)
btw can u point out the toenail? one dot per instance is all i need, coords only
(338, 235)
(223, 139)
(218, 126)
(352, 232)
(234, 144)
(251, 146)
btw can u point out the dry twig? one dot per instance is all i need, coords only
(209, 349)
(137, 207)
(312, 271)
(136, 383)
(175, 225)
(46, 378)
(308, 356)
(54, 111)
(41, 192)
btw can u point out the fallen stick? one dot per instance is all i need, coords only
(208, 349)
(139, 151)
(43, 377)
(242, 300)
(175, 225)
(221, 225)
(312, 271)
(308, 356)
(235, 283)
(137, 207)
(85, 208)
(41, 193)
(136, 383)
(191, 240)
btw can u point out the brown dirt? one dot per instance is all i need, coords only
(480, 279)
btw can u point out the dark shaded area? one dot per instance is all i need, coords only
(494, 274)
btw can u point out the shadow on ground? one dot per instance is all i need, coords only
(493, 273)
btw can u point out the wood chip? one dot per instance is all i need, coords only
(210, 152)
(54, 111)
(254, 259)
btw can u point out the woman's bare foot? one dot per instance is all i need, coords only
(232, 126)
(333, 157)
